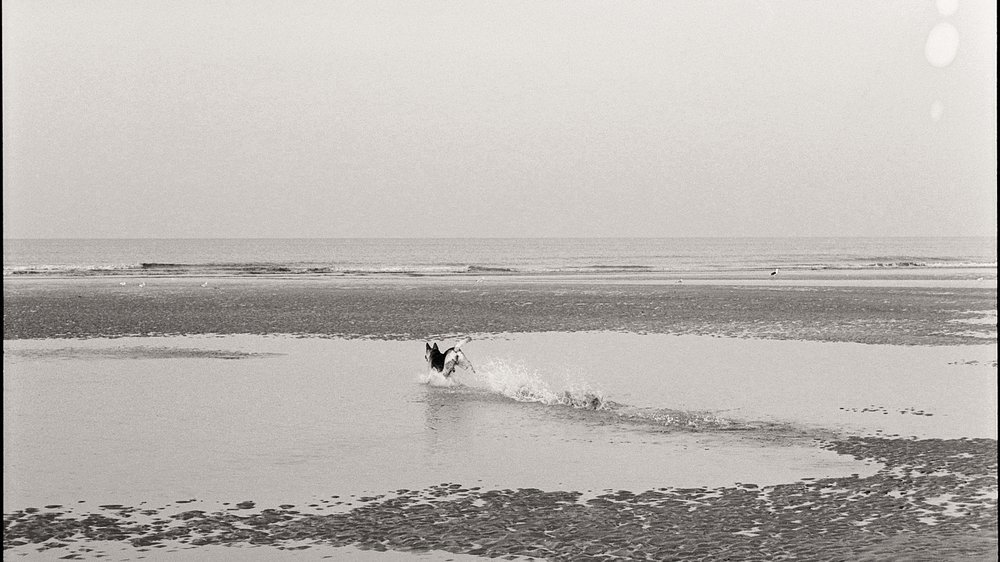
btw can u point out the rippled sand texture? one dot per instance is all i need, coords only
(424, 308)
(934, 500)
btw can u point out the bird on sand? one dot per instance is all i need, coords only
(775, 272)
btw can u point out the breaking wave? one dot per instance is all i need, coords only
(487, 256)
(153, 269)
(425, 266)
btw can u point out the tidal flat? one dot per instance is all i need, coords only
(275, 418)
(939, 312)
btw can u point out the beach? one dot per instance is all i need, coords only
(604, 419)
(935, 312)
(457, 281)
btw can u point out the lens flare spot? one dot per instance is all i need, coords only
(937, 109)
(942, 45)
(947, 7)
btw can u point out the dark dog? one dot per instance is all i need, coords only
(446, 362)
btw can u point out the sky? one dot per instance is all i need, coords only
(248, 118)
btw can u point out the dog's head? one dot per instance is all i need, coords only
(429, 351)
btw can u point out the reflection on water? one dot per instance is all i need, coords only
(297, 419)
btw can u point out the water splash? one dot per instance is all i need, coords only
(436, 379)
(525, 385)
(497, 378)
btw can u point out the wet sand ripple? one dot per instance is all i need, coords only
(425, 308)
(934, 499)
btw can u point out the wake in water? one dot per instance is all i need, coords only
(518, 383)
(498, 379)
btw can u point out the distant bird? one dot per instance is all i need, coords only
(205, 284)
(143, 284)
(680, 280)
(480, 280)
(980, 279)
(775, 272)
(123, 283)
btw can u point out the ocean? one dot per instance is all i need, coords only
(269, 399)
(559, 256)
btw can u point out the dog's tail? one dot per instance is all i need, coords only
(462, 342)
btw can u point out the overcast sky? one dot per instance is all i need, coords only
(340, 119)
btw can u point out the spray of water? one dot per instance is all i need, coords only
(434, 378)
(526, 385)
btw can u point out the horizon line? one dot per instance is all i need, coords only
(746, 237)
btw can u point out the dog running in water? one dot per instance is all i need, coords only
(446, 362)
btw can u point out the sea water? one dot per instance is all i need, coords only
(968, 256)
(277, 419)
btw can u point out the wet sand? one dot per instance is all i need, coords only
(435, 307)
(932, 499)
